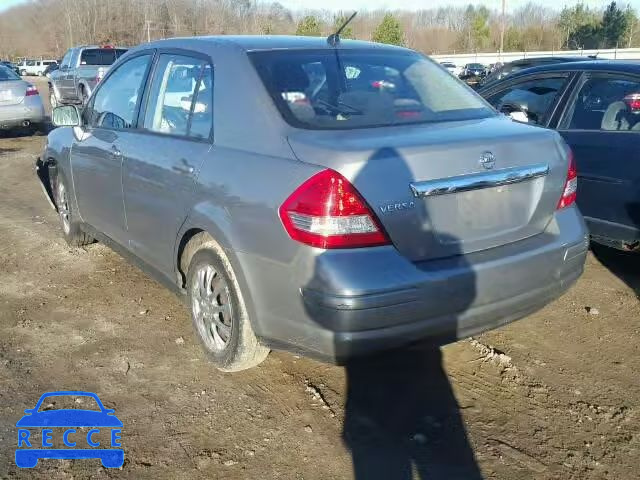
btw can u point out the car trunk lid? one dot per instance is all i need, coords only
(12, 92)
(449, 188)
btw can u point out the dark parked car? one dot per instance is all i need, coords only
(331, 200)
(595, 105)
(52, 67)
(476, 69)
(518, 65)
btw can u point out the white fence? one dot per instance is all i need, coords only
(488, 58)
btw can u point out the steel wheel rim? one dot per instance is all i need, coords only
(211, 306)
(63, 208)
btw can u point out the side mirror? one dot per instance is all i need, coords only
(66, 116)
(29, 410)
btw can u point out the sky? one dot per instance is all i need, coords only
(404, 4)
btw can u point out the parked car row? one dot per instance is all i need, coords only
(333, 198)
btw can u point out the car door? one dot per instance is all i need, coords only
(97, 158)
(58, 76)
(160, 169)
(531, 99)
(601, 124)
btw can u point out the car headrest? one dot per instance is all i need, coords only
(290, 77)
(614, 117)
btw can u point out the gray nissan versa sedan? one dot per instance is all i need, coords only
(333, 199)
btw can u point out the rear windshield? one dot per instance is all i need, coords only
(7, 74)
(101, 56)
(342, 89)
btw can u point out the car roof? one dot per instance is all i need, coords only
(272, 42)
(555, 59)
(622, 66)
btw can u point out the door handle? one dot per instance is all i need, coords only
(116, 152)
(184, 170)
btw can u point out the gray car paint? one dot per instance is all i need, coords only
(18, 108)
(439, 279)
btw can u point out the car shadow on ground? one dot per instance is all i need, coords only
(625, 265)
(402, 420)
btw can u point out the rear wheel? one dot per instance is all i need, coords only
(218, 312)
(23, 73)
(71, 229)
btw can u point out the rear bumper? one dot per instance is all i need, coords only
(338, 304)
(14, 116)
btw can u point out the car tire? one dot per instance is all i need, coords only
(71, 228)
(23, 73)
(218, 311)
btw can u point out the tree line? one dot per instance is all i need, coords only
(49, 27)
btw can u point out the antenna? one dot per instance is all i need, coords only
(334, 38)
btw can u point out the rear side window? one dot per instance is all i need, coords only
(100, 56)
(605, 103)
(534, 97)
(181, 97)
(342, 89)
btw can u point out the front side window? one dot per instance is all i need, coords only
(66, 60)
(533, 99)
(607, 103)
(180, 97)
(115, 103)
(342, 89)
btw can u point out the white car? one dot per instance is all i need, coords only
(453, 68)
(34, 67)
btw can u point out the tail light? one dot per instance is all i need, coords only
(327, 211)
(100, 74)
(633, 100)
(31, 90)
(570, 184)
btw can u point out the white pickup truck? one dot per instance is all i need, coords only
(80, 71)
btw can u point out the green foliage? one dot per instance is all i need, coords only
(338, 21)
(389, 31)
(309, 26)
(614, 25)
(476, 32)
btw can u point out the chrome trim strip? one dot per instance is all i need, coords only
(477, 181)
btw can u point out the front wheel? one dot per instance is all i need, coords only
(71, 229)
(218, 312)
(23, 73)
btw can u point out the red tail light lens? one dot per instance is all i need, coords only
(326, 211)
(100, 74)
(570, 185)
(31, 90)
(633, 100)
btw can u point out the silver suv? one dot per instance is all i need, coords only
(331, 199)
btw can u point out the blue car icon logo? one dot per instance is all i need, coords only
(36, 422)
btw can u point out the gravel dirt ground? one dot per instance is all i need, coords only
(553, 396)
